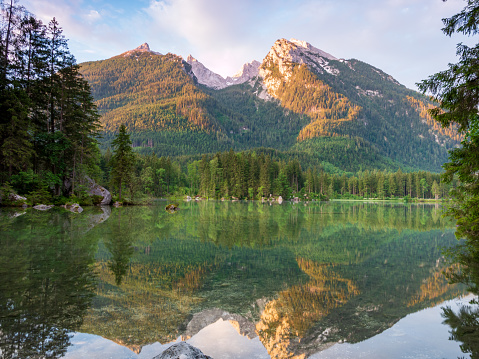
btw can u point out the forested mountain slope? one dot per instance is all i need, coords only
(304, 102)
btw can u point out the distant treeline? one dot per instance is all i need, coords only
(248, 175)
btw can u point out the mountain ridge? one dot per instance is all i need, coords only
(298, 92)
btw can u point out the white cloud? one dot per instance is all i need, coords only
(92, 16)
(402, 37)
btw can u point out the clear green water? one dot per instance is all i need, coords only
(298, 277)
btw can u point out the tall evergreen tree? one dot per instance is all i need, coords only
(122, 161)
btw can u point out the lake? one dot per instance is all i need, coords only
(235, 279)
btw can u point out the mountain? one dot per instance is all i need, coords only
(211, 79)
(300, 100)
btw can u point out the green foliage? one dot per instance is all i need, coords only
(25, 181)
(40, 196)
(48, 121)
(248, 175)
(122, 162)
(457, 93)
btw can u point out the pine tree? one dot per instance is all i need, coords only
(122, 161)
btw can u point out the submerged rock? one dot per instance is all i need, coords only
(43, 207)
(182, 350)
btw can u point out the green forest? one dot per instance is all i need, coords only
(162, 134)
(49, 124)
(252, 175)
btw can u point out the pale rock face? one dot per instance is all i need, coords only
(142, 48)
(247, 72)
(211, 79)
(284, 53)
(204, 75)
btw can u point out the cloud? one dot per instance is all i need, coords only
(92, 16)
(401, 37)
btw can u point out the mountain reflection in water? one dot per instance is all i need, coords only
(297, 277)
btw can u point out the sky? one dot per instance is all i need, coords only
(401, 37)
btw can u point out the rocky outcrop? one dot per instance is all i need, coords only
(95, 189)
(182, 350)
(204, 75)
(142, 48)
(13, 200)
(247, 72)
(211, 79)
(282, 56)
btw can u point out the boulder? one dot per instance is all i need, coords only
(43, 207)
(182, 350)
(95, 189)
(74, 207)
(280, 199)
(15, 197)
(15, 200)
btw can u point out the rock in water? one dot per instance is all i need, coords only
(97, 190)
(73, 207)
(172, 208)
(182, 350)
(43, 207)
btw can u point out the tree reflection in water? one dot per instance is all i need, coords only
(120, 246)
(47, 284)
(465, 322)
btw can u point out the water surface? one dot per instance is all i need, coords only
(287, 280)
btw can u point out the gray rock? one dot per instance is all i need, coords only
(43, 207)
(15, 197)
(182, 350)
(75, 208)
(95, 189)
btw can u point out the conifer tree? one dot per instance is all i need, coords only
(122, 161)
(457, 92)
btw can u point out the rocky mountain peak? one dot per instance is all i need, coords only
(190, 59)
(142, 48)
(311, 48)
(284, 54)
(211, 79)
(247, 72)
